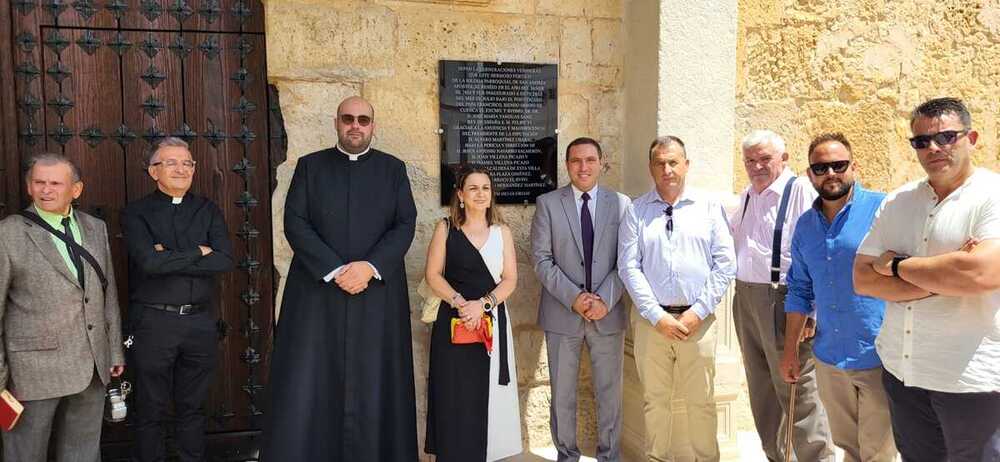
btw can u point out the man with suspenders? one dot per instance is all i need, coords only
(769, 209)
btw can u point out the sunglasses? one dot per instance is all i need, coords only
(821, 168)
(348, 119)
(944, 138)
(669, 211)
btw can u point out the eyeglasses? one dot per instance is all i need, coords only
(941, 139)
(174, 164)
(348, 119)
(821, 168)
(669, 212)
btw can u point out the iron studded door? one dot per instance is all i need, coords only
(102, 80)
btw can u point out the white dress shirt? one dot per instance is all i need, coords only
(941, 343)
(753, 231)
(692, 265)
(591, 204)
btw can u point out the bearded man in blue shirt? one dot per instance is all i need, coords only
(820, 283)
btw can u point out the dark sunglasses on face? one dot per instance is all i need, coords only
(944, 138)
(838, 166)
(348, 119)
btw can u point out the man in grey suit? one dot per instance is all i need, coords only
(61, 330)
(574, 241)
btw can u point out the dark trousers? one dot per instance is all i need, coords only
(173, 357)
(934, 426)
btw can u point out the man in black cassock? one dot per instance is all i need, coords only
(342, 368)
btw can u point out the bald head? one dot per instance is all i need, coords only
(355, 124)
(353, 101)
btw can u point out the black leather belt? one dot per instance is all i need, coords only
(675, 309)
(179, 309)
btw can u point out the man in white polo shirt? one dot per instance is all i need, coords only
(933, 253)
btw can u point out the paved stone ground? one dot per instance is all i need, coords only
(746, 448)
(749, 451)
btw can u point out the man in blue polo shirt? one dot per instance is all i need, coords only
(849, 374)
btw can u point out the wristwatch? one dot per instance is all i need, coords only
(487, 306)
(895, 264)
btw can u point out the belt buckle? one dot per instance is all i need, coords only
(185, 309)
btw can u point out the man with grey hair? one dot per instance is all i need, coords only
(178, 245)
(762, 229)
(59, 319)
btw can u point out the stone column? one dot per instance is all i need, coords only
(684, 86)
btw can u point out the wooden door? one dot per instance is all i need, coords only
(101, 81)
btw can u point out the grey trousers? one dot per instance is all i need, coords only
(759, 316)
(74, 422)
(607, 353)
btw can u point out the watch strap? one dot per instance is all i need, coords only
(895, 264)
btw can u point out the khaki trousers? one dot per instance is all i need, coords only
(759, 316)
(672, 370)
(858, 409)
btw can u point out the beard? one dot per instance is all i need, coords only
(843, 190)
(355, 145)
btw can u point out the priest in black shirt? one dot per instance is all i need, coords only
(342, 369)
(178, 244)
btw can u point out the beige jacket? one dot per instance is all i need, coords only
(54, 334)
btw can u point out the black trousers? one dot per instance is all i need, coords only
(934, 426)
(173, 358)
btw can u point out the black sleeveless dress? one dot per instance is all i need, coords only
(458, 381)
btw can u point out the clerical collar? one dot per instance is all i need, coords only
(173, 200)
(353, 157)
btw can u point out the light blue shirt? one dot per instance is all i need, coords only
(821, 282)
(693, 265)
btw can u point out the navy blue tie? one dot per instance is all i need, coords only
(587, 227)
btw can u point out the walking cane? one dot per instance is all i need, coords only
(791, 424)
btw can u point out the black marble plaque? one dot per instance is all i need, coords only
(502, 116)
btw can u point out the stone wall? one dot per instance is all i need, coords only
(320, 51)
(860, 66)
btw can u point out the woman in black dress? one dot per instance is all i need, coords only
(472, 404)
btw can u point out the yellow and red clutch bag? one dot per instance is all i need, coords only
(461, 335)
